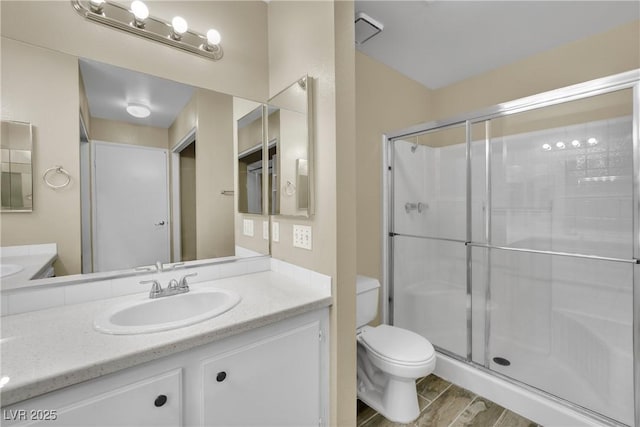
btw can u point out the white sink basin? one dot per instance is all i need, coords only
(144, 315)
(9, 269)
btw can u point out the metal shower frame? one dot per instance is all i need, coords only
(626, 80)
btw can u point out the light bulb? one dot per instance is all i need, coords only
(213, 37)
(560, 145)
(96, 5)
(575, 143)
(546, 147)
(180, 26)
(592, 141)
(140, 12)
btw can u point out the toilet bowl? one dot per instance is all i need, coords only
(390, 359)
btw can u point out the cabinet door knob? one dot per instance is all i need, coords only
(221, 376)
(160, 400)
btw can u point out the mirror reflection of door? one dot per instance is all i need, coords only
(85, 199)
(188, 202)
(131, 215)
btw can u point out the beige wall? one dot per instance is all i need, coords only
(84, 105)
(316, 38)
(242, 24)
(41, 87)
(214, 173)
(385, 100)
(128, 133)
(601, 55)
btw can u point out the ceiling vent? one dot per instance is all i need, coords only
(366, 27)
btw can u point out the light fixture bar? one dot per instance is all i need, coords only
(117, 16)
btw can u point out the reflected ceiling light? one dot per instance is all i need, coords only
(592, 141)
(4, 381)
(560, 145)
(140, 13)
(96, 5)
(546, 147)
(179, 27)
(139, 111)
(575, 143)
(138, 21)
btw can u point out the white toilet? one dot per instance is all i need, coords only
(390, 359)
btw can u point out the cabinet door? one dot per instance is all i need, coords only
(273, 382)
(137, 404)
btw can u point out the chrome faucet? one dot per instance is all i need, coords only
(173, 288)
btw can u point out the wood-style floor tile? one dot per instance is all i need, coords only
(446, 408)
(480, 413)
(431, 387)
(380, 421)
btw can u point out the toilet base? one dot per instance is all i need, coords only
(397, 401)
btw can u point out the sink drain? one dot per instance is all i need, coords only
(501, 361)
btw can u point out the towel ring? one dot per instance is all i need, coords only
(56, 169)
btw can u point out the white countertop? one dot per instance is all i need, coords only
(32, 266)
(49, 349)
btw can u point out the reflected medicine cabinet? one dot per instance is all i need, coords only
(17, 177)
(291, 149)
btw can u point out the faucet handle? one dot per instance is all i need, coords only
(173, 284)
(183, 280)
(156, 288)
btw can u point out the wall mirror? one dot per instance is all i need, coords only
(16, 181)
(157, 162)
(290, 149)
(250, 167)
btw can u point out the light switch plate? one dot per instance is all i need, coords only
(302, 236)
(265, 230)
(275, 231)
(248, 227)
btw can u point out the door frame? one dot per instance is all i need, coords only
(94, 225)
(174, 177)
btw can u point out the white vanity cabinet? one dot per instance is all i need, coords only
(274, 375)
(272, 382)
(123, 399)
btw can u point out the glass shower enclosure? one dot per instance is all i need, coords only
(512, 242)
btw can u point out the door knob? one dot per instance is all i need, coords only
(160, 223)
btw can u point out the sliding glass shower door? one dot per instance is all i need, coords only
(514, 241)
(429, 263)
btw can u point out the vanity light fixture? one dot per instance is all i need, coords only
(137, 20)
(546, 147)
(575, 143)
(560, 145)
(592, 141)
(139, 111)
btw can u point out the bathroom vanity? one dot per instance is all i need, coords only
(264, 362)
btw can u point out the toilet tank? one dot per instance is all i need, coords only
(367, 289)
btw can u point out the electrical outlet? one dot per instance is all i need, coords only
(302, 236)
(248, 227)
(265, 230)
(275, 231)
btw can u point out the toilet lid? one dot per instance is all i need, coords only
(397, 344)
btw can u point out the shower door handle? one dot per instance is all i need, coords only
(161, 223)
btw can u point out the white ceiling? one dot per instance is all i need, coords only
(440, 42)
(110, 88)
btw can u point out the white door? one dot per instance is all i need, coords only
(131, 206)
